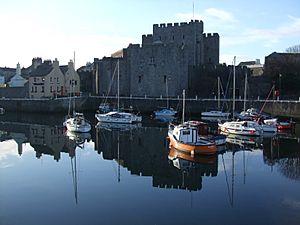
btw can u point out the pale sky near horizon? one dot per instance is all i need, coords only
(53, 29)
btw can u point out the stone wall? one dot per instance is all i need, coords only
(146, 106)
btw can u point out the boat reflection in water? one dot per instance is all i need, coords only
(165, 118)
(192, 168)
(78, 138)
(118, 126)
(44, 139)
(247, 142)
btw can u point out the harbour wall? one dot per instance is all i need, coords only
(146, 105)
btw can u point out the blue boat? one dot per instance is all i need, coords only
(165, 112)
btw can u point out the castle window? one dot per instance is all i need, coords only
(173, 38)
(152, 60)
(165, 79)
(140, 79)
(182, 36)
(160, 38)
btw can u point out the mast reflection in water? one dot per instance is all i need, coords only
(128, 175)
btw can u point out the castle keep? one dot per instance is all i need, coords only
(164, 57)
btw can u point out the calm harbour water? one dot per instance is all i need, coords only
(129, 176)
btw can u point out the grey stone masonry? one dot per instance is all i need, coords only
(160, 66)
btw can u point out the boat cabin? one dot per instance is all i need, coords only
(186, 134)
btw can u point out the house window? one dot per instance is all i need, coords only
(51, 90)
(32, 89)
(57, 89)
(43, 89)
(34, 79)
(50, 79)
(75, 82)
(57, 79)
(35, 89)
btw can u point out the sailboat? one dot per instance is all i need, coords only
(118, 116)
(75, 122)
(185, 137)
(168, 111)
(216, 113)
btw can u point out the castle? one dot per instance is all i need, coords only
(165, 57)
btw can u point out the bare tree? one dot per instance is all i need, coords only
(293, 49)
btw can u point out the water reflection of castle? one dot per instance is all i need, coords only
(144, 152)
(284, 153)
(46, 140)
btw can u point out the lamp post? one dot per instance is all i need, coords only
(280, 75)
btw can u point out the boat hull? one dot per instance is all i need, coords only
(193, 149)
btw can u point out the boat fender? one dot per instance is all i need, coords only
(192, 153)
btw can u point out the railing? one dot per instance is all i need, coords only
(196, 98)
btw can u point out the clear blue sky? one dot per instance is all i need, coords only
(53, 29)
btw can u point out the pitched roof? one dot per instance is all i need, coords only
(64, 69)
(42, 70)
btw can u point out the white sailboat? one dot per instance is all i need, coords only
(75, 122)
(118, 116)
(168, 111)
(216, 113)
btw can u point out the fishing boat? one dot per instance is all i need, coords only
(185, 137)
(118, 116)
(203, 132)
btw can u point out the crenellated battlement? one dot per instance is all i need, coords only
(147, 35)
(164, 25)
(210, 35)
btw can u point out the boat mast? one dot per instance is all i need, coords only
(118, 71)
(245, 92)
(233, 89)
(218, 93)
(167, 93)
(183, 104)
(72, 90)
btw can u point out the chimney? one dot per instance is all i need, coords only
(55, 63)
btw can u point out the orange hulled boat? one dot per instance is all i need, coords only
(185, 138)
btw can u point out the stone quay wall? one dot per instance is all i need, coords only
(147, 105)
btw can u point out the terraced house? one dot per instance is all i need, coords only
(49, 80)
